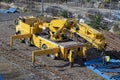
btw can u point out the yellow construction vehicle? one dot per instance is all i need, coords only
(59, 37)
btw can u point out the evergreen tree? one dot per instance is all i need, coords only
(96, 21)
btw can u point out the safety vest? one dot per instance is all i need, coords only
(107, 58)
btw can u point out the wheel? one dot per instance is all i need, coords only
(52, 56)
(18, 32)
(27, 42)
(44, 46)
(84, 59)
(16, 22)
(71, 64)
(21, 40)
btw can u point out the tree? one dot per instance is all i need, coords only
(96, 21)
(116, 28)
(64, 13)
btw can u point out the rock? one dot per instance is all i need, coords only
(111, 30)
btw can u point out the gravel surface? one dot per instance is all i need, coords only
(11, 71)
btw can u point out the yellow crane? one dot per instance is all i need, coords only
(59, 37)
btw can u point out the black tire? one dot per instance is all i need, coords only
(21, 40)
(44, 46)
(18, 32)
(52, 56)
(71, 64)
(84, 60)
(16, 21)
(27, 42)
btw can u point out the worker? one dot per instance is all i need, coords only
(106, 59)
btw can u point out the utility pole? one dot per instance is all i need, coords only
(110, 5)
(110, 8)
(42, 1)
(110, 11)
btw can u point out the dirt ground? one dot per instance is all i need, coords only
(11, 71)
(14, 66)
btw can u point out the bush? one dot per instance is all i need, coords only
(116, 28)
(65, 14)
(96, 21)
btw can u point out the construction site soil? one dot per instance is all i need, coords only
(15, 62)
